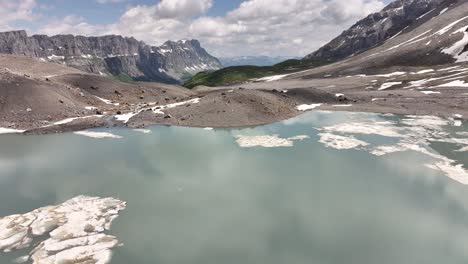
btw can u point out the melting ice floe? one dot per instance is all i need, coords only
(94, 134)
(414, 133)
(267, 141)
(75, 231)
(340, 142)
(144, 131)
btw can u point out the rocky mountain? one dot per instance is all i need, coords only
(122, 57)
(394, 19)
(438, 37)
(253, 60)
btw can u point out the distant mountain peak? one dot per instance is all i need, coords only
(115, 55)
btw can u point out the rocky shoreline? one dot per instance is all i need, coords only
(41, 98)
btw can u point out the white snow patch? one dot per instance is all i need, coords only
(457, 83)
(430, 92)
(125, 117)
(271, 78)
(69, 120)
(306, 107)
(457, 49)
(10, 131)
(156, 109)
(449, 68)
(106, 101)
(388, 85)
(55, 57)
(450, 26)
(424, 71)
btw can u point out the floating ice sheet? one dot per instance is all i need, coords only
(267, 141)
(72, 232)
(414, 133)
(94, 134)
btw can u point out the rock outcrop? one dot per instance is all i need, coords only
(122, 57)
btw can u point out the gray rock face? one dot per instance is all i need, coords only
(114, 55)
(376, 28)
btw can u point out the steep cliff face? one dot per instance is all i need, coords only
(377, 28)
(114, 55)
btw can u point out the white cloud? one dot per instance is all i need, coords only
(256, 27)
(182, 8)
(110, 1)
(70, 24)
(12, 11)
(215, 27)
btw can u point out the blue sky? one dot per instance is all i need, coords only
(95, 12)
(225, 27)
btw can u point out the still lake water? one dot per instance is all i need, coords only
(196, 197)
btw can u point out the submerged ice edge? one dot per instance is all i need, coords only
(95, 134)
(413, 133)
(76, 231)
(267, 141)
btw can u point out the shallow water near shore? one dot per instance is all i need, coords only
(320, 188)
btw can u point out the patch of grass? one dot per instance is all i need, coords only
(123, 77)
(186, 76)
(240, 74)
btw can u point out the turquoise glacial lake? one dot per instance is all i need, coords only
(322, 188)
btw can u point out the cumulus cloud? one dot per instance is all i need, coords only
(182, 8)
(71, 25)
(110, 1)
(280, 27)
(256, 27)
(12, 11)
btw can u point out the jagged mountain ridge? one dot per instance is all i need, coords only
(378, 27)
(114, 55)
(440, 37)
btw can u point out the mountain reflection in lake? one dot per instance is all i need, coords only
(325, 194)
